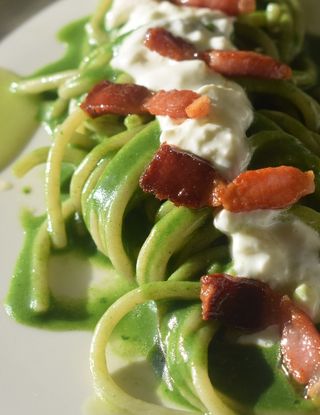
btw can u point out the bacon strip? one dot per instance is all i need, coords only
(172, 103)
(300, 347)
(246, 63)
(244, 303)
(231, 7)
(252, 305)
(180, 177)
(199, 108)
(166, 44)
(226, 62)
(173, 171)
(123, 99)
(269, 188)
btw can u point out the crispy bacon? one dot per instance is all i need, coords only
(300, 347)
(243, 303)
(226, 62)
(166, 44)
(199, 108)
(268, 188)
(122, 99)
(174, 174)
(231, 7)
(246, 63)
(172, 103)
(252, 305)
(180, 177)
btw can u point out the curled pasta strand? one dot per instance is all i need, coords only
(167, 237)
(40, 155)
(62, 137)
(43, 83)
(87, 166)
(40, 291)
(94, 30)
(104, 385)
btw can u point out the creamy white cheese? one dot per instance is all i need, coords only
(156, 72)
(277, 248)
(187, 22)
(220, 137)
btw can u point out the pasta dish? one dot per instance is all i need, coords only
(184, 160)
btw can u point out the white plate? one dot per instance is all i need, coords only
(43, 372)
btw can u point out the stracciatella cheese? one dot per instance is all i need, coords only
(156, 72)
(190, 23)
(277, 248)
(220, 137)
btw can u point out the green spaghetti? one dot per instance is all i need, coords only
(156, 250)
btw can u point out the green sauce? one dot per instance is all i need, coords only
(74, 37)
(65, 311)
(18, 118)
(252, 376)
(19, 113)
(76, 301)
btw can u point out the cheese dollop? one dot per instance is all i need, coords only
(277, 248)
(219, 137)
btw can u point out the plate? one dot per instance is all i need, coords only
(44, 372)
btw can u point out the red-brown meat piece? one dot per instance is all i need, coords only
(243, 303)
(252, 305)
(181, 177)
(300, 347)
(231, 7)
(246, 63)
(199, 108)
(122, 99)
(226, 62)
(172, 103)
(268, 188)
(166, 44)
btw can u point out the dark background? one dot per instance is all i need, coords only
(15, 12)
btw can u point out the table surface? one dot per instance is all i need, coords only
(15, 12)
